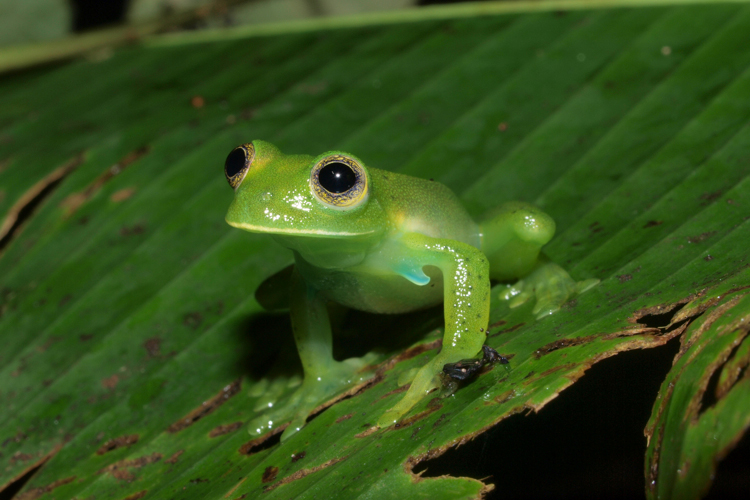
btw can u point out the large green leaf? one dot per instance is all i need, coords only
(702, 408)
(134, 351)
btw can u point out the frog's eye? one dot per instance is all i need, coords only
(339, 181)
(237, 163)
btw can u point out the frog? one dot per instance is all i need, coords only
(385, 242)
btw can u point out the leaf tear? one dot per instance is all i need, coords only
(659, 316)
(174, 457)
(35, 493)
(433, 406)
(224, 429)
(563, 343)
(707, 394)
(269, 474)
(416, 476)
(263, 442)
(303, 473)
(25, 475)
(122, 194)
(24, 208)
(412, 352)
(735, 368)
(136, 496)
(504, 330)
(206, 407)
(74, 201)
(693, 344)
(344, 417)
(119, 469)
(117, 442)
(397, 390)
(367, 432)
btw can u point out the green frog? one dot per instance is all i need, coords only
(386, 243)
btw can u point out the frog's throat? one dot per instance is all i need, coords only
(309, 232)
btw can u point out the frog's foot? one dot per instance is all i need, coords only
(426, 381)
(336, 379)
(550, 284)
(269, 391)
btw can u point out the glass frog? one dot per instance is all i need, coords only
(374, 240)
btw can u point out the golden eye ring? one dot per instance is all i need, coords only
(237, 164)
(339, 181)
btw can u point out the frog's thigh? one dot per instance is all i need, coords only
(466, 292)
(512, 237)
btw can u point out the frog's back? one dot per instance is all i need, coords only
(423, 206)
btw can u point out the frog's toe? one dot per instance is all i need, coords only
(424, 383)
(541, 310)
(273, 391)
(275, 416)
(585, 285)
(520, 299)
(355, 365)
(512, 290)
(550, 297)
(259, 388)
(551, 285)
(407, 376)
(309, 400)
(266, 402)
(517, 294)
(297, 407)
(297, 423)
(260, 426)
(388, 418)
(556, 292)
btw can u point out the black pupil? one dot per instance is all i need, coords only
(337, 177)
(235, 162)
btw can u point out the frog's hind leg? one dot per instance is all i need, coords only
(512, 238)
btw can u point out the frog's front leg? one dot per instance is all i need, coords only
(324, 377)
(466, 305)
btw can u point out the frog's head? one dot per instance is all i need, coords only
(293, 196)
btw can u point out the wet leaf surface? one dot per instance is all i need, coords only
(134, 351)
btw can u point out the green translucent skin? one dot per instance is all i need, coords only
(409, 245)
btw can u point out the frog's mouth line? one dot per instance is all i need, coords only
(261, 229)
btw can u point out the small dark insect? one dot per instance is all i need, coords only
(467, 368)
